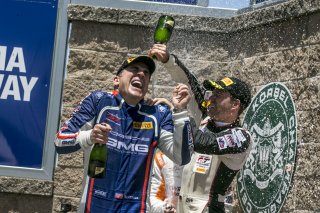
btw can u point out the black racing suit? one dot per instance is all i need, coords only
(232, 144)
(226, 149)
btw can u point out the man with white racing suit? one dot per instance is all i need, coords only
(165, 184)
(166, 177)
(221, 145)
(132, 131)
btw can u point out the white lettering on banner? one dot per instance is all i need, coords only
(10, 87)
(27, 87)
(17, 53)
(15, 85)
(3, 51)
(16, 59)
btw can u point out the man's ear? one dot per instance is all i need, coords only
(115, 85)
(236, 104)
(116, 81)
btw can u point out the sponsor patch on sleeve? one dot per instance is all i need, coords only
(241, 136)
(230, 140)
(222, 143)
(235, 137)
(161, 108)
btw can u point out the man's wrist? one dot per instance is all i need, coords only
(166, 59)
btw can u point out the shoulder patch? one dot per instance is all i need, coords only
(238, 137)
(222, 143)
(161, 108)
(99, 94)
(230, 140)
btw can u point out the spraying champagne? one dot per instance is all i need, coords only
(196, 88)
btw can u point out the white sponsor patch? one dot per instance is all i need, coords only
(68, 142)
(100, 193)
(202, 164)
(241, 136)
(235, 137)
(222, 143)
(230, 140)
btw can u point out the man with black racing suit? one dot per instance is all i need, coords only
(221, 145)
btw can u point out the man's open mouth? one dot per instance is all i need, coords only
(136, 83)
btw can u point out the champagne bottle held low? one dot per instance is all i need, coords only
(98, 161)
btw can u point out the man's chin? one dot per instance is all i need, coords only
(213, 117)
(137, 95)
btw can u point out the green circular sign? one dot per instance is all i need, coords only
(264, 181)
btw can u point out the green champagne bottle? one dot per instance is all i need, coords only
(98, 161)
(164, 29)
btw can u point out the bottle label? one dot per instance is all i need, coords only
(169, 24)
(98, 170)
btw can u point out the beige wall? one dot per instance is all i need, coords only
(277, 43)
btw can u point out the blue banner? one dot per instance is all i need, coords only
(27, 38)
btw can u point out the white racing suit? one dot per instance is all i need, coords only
(224, 151)
(219, 153)
(165, 183)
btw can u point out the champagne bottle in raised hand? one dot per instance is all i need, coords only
(163, 29)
